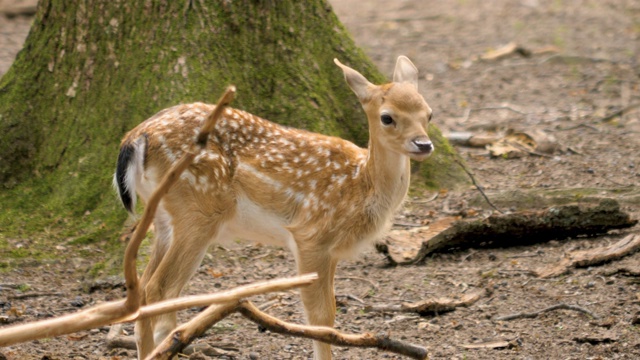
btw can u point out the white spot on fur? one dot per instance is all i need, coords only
(188, 175)
(264, 178)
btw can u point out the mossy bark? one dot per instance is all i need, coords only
(91, 70)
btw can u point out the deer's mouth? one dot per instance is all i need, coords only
(420, 155)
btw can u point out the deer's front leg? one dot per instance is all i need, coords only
(318, 298)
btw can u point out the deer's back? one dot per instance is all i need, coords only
(306, 180)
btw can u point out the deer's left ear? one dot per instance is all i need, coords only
(357, 82)
(405, 71)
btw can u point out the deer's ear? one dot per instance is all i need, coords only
(358, 83)
(405, 71)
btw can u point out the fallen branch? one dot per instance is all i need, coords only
(329, 335)
(431, 306)
(182, 336)
(550, 308)
(583, 258)
(115, 340)
(517, 229)
(111, 312)
(97, 316)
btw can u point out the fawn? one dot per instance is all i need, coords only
(322, 197)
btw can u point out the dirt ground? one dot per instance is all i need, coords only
(584, 65)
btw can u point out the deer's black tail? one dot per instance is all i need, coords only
(127, 171)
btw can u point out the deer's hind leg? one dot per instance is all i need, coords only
(162, 239)
(171, 269)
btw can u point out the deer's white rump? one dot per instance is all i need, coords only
(322, 197)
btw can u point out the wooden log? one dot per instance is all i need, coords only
(522, 228)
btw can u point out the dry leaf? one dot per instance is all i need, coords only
(502, 51)
(77, 337)
(214, 273)
(517, 144)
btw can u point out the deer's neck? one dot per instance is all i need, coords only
(389, 174)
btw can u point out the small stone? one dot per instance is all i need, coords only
(77, 302)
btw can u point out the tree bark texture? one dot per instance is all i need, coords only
(91, 70)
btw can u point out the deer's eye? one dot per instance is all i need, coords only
(386, 119)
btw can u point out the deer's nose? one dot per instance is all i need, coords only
(423, 144)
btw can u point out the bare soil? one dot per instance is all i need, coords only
(593, 71)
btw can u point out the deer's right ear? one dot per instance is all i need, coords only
(405, 71)
(358, 83)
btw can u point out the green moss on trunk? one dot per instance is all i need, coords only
(92, 70)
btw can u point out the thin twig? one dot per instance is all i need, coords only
(475, 183)
(330, 335)
(405, 224)
(431, 306)
(575, 59)
(620, 112)
(374, 285)
(35, 294)
(617, 183)
(577, 126)
(582, 258)
(425, 201)
(468, 111)
(550, 308)
(350, 297)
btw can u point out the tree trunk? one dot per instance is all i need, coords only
(92, 70)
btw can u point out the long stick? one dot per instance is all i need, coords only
(112, 312)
